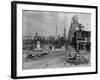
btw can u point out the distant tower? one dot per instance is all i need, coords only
(73, 27)
(75, 19)
(64, 35)
(56, 32)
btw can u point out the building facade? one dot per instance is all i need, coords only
(81, 40)
(73, 28)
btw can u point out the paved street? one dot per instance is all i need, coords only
(54, 60)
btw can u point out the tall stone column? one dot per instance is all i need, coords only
(38, 45)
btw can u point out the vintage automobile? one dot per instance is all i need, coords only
(37, 54)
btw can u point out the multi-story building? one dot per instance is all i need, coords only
(73, 28)
(81, 40)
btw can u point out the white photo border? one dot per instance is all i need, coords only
(41, 72)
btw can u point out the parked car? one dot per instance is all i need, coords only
(37, 54)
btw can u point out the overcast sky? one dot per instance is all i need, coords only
(45, 23)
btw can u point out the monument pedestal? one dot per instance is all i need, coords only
(38, 45)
